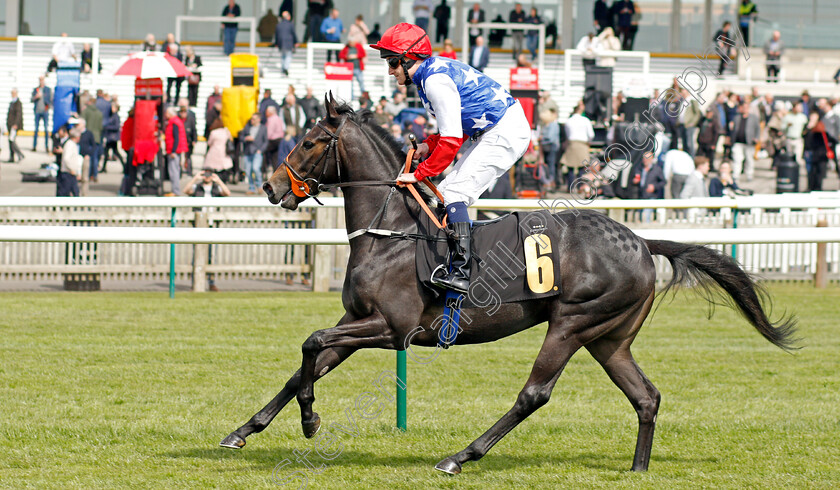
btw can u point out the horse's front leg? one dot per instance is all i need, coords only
(369, 332)
(328, 359)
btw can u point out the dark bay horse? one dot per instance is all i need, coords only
(606, 291)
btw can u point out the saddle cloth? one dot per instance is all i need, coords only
(513, 258)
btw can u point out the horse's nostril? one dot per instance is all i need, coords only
(267, 189)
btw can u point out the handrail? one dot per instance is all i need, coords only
(823, 200)
(200, 18)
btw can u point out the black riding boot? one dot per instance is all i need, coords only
(458, 279)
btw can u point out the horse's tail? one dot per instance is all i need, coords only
(703, 267)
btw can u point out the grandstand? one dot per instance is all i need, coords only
(216, 71)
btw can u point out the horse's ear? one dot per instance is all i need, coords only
(329, 103)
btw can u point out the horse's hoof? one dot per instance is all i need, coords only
(311, 427)
(449, 466)
(233, 441)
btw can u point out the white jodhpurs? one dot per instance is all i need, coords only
(490, 157)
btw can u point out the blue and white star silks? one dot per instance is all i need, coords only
(465, 100)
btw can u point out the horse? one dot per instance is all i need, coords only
(606, 291)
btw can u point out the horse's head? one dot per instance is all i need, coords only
(313, 161)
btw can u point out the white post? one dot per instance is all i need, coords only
(568, 41)
(19, 76)
(12, 18)
(567, 71)
(94, 65)
(310, 61)
(541, 51)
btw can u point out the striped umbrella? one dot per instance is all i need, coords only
(152, 64)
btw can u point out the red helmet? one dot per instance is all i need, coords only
(406, 40)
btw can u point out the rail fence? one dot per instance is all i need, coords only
(128, 238)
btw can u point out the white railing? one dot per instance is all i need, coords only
(252, 31)
(569, 53)
(465, 38)
(93, 41)
(776, 236)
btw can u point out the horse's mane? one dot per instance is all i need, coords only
(364, 118)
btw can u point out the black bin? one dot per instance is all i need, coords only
(787, 173)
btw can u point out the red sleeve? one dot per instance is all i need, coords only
(444, 152)
(432, 141)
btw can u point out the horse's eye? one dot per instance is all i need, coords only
(307, 145)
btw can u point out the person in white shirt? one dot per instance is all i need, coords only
(607, 41)
(678, 166)
(793, 124)
(62, 51)
(588, 46)
(71, 164)
(579, 133)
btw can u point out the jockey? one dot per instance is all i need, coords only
(467, 105)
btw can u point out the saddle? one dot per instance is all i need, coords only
(513, 258)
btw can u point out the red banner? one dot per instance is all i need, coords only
(338, 71)
(524, 79)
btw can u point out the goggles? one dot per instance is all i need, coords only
(393, 62)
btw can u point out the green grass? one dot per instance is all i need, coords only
(136, 390)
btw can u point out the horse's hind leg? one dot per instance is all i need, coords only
(556, 351)
(327, 361)
(614, 355)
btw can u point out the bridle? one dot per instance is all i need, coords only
(300, 185)
(301, 188)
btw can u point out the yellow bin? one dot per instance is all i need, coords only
(244, 70)
(238, 104)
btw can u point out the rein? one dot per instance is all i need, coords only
(300, 186)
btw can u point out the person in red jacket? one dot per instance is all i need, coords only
(127, 143)
(354, 52)
(176, 146)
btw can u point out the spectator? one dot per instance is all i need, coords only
(365, 103)
(149, 43)
(690, 118)
(103, 103)
(624, 10)
(721, 36)
(396, 132)
(807, 104)
(293, 114)
(111, 136)
(275, 129)
(650, 181)
(255, 143)
(820, 142)
(230, 11)
(422, 11)
(588, 46)
(59, 137)
(774, 48)
(62, 51)
(551, 34)
(601, 16)
(267, 26)
(207, 184)
(87, 149)
(607, 41)
(517, 16)
(448, 50)
(475, 16)
(497, 36)
(67, 182)
(193, 62)
(191, 129)
(793, 125)
(747, 13)
(374, 35)
(42, 99)
(696, 186)
(265, 103)
(286, 146)
(285, 39)
(745, 134)
(550, 145)
(394, 108)
(635, 19)
(579, 133)
(14, 123)
(380, 116)
(441, 14)
(358, 32)
(175, 52)
(315, 13)
(312, 107)
(355, 54)
(211, 112)
(480, 55)
(127, 143)
(87, 59)
(522, 61)
(331, 29)
(93, 122)
(533, 36)
(176, 146)
(217, 157)
(723, 184)
(679, 165)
